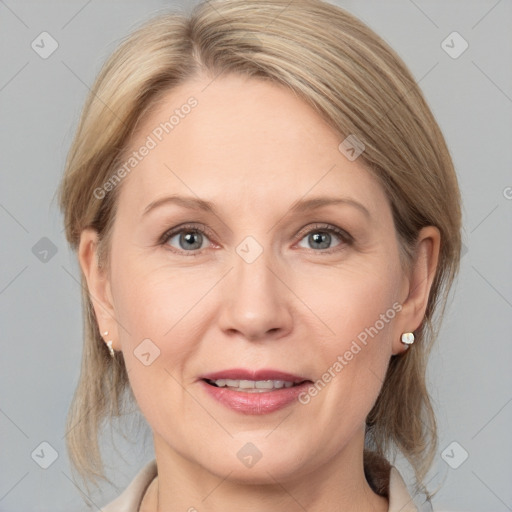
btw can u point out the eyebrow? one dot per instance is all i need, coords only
(194, 203)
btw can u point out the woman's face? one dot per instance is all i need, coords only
(226, 266)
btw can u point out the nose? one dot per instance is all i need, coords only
(256, 300)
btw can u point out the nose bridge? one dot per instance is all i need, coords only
(255, 301)
(253, 278)
(253, 266)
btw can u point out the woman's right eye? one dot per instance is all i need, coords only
(185, 239)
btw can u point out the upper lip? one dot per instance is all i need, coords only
(246, 374)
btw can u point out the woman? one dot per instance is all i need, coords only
(267, 220)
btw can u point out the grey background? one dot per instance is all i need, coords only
(40, 100)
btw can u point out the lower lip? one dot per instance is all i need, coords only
(255, 403)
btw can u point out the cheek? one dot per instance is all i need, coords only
(358, 310)
(155, 302)
(354, 302)
(159, 335)
(156, 337)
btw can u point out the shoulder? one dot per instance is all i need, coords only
(131, 497)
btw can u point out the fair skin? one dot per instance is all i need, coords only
(253, 149)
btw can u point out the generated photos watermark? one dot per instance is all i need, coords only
(152, 140)
(343, 359)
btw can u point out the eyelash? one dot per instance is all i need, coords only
(346, 238)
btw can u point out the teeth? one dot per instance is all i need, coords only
(252, 386)
(265, 384)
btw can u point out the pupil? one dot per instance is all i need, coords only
(189, 237)
(317, 238)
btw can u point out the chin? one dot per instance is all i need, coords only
(249, 465)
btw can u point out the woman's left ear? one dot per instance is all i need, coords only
(416, 290)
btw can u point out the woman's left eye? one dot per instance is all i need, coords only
(191, 239)
(320, 237)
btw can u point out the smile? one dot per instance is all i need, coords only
(252, 386)
(254, 392)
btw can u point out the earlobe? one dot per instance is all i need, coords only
(98, 283)
(420, 279)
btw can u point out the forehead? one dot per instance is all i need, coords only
(241, 139)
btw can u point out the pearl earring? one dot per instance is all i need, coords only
(407, 338)
(109, 345)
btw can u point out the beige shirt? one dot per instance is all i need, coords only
(129, 501)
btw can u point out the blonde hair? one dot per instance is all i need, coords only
(360, 86)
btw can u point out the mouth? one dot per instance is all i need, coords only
(254, 392)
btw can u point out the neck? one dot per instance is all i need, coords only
(183, 485)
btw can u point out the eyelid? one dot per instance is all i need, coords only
(347, 237)
(204, 229)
